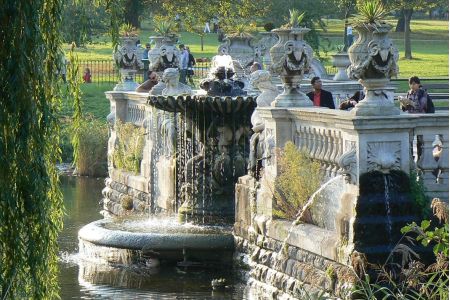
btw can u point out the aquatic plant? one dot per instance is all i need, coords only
(299, 178)
(91, 147)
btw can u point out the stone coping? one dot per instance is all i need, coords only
(97, 234)
(345, 120)
(136, 182)
(305, 236)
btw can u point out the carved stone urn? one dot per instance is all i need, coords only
(266, 43)
(242, 52)
(341, 61)
(291, 57)
(373, 60)
(129, 62)
(153, 54)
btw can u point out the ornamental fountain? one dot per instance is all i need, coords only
(209, 161)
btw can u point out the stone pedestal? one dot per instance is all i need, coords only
(341, 61)
(127, 83)
(292, 97)
(379, 100)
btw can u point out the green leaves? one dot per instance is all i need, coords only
(300, 177)
(370, 12)
(30, 201)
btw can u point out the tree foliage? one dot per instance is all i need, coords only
(30, 200)
(83, 21)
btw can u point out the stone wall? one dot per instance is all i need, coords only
(125, 194)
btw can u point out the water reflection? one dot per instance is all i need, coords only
(80, 279)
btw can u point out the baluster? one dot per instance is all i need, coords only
(312, 142)
(301, 138)
(317, 144)
(324, 142)
(307, 138)
(330, 151)
(339, 150)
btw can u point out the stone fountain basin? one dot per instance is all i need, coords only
(156, 234)
(131, 240)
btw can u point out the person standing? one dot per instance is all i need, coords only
(349, 36)
(191, 64)
(183, 63)
(87, 77)
(145, 60)
(207, 29)
(318, 96)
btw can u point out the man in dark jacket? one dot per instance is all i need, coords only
(320, 97)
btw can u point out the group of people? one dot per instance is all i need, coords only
(416, 99)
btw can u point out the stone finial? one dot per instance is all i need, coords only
(173, 86)
(262, 80)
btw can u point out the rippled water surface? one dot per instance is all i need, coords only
(82, 280)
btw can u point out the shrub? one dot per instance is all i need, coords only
(92, 148)
(417, 193)
(299, 178)
(129, 149)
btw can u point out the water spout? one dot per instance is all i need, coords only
(302, 215)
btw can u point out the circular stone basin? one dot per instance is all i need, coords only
(156, 234)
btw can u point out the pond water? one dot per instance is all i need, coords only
(82, 279)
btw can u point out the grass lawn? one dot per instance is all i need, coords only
(94, 101)
(430, 56)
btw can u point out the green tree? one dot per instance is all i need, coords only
(30, 200)
(407, 8)
(195, 13)
(83, 21)
(345, 7)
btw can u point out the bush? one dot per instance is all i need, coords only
(129, 149)
(269, 26)
(92, 148)
(299, 178)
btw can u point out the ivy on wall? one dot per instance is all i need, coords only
(128, 152)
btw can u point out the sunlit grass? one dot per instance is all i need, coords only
(430, 57)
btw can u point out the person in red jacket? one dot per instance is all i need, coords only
(87, 77)
(320, 97)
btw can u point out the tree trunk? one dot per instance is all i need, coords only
(401, 22)
(201, 42)
(132, 12)
(408, 15)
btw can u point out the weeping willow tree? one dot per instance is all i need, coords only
(30, 200)
(31, 206)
